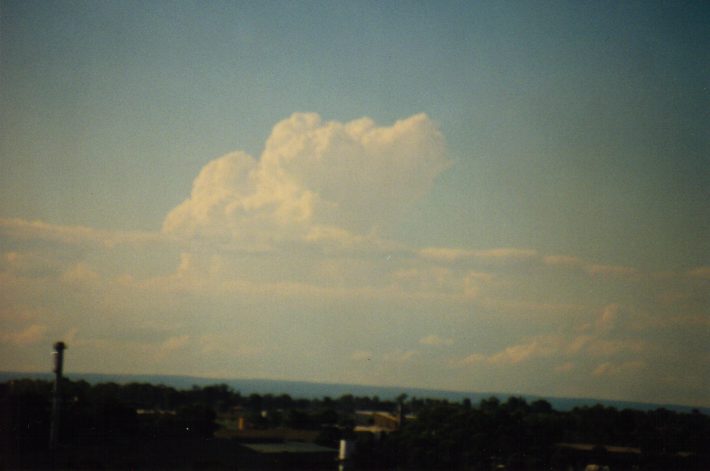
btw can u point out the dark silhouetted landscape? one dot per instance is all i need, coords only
(148, 426)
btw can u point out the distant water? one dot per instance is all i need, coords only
(308, 390)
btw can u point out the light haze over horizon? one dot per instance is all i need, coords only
(483, 196)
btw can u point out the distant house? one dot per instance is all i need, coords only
(237, 417)
(378, 422)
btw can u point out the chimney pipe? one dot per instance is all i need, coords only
(58, 355)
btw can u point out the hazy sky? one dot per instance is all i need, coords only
(488, 196)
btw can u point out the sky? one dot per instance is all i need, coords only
(477, 196)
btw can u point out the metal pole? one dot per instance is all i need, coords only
(58, 355)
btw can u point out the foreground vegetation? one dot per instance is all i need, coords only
(513, 434)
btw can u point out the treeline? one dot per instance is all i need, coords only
(110, 410)
(520, 435)
(104, 412)
(439, 434)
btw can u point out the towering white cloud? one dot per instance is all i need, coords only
(354, 177)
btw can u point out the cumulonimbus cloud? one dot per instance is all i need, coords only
(355, 177)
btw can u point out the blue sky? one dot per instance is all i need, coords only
(489, 196)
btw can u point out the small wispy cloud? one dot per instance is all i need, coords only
(451, 255)
(614, 369)
(610, 270)
(73, 235)
(562, 260)
(506, 254)
(608, 318)
(539, 347)
(700, 272)
(227, 345)
(565, 367)
(399, 356)
(80, 273)
(30, 335)
(361, 355)
(30, 264)
(436, 341)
